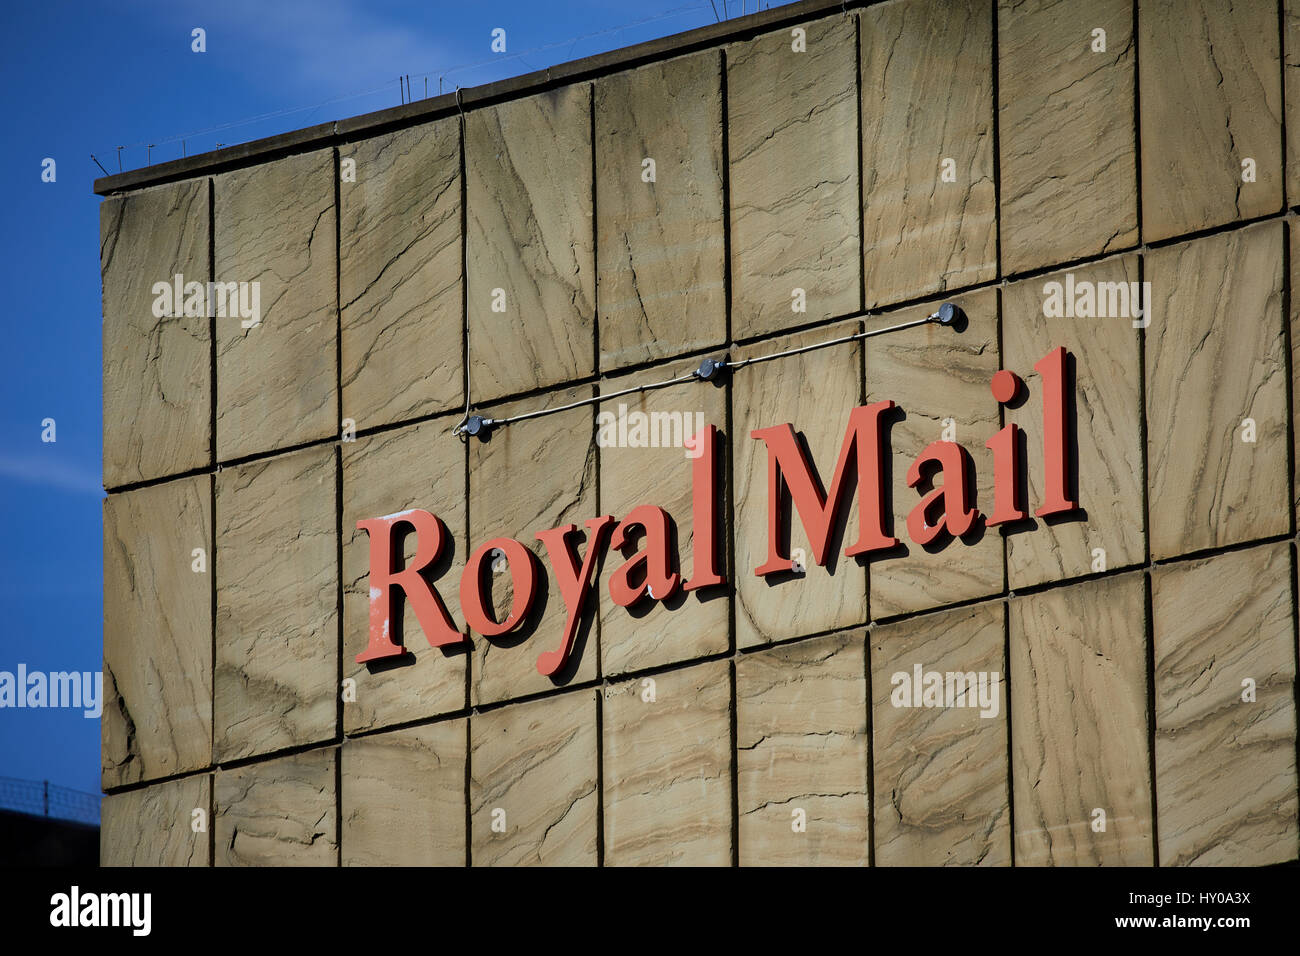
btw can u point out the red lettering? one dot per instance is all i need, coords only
(1007, 492)
(659, 579)
(385, 575)
(523, 577)
(957, 515)
(1055, 446)
(575, 585)
(705, 559)
(817, 511)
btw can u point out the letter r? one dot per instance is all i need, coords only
(386, 575)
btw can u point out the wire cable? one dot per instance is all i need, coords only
(475, 425)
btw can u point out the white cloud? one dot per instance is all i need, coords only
(325, 48)
(53, 473)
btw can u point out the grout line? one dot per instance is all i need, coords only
(861, 172)
(595, 232)
(600, 775)
(734, 761)
(997, 146)
(338, 805)
(724, 524)
(999, 324)
(212, 327)
(863, 344)
(340, 626)
(724, 119)
(1288, 364)
(999, 307)
(1011, 753)
(212, 648)
(1148, 564)
(1281, 60)
(1295, 646)
(212, 818)
(471, 660)
(871, 747)
(212, 530)
(1149, 634)
(338, 297)
(594, 594)
(1137, 124)
(469, 812)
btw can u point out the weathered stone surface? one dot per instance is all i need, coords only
(1079, 725)
(927, 108)
(801, 745)
(277, 604)
(422, 466)
(814, 392)
(941, 772)
(278, 812)
(157, 371)
(532, 476)
(1066, 131)
(667, 769)
(403, 797)
(652, 633)
(157, 705)
(660, 253)
(1211, 99)
(533, 778)
(399, 276)
(938, 378)
(276, 381)
(1225, 766)
(529, 234)
(1107, 395)
(1293, 227)
(1291, 96)
(155, 826)
(792, 142)
(1215, 356)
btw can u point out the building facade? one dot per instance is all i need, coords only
(1016, 589)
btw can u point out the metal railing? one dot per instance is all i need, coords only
(44, 799)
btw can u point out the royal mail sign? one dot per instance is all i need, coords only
(652, 574)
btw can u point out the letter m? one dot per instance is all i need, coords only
(860, 456)
(65, 689)
(115, 909)
(1113, 300)
(961, 688)
(222, 301)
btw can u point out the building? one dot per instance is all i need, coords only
(1097, 668)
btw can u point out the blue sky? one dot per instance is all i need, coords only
(78, 78)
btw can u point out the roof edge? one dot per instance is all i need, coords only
(435, 107)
